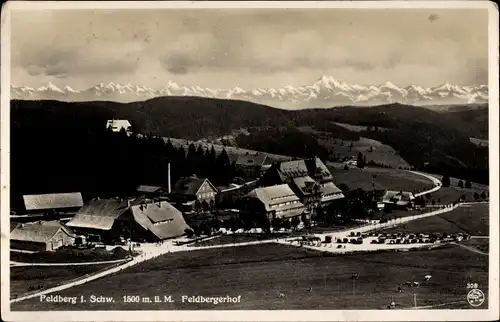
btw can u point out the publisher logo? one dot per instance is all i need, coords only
(475, 297)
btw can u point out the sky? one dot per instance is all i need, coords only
(249, 48)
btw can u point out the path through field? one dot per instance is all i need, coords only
(472, 249)
(18, 264)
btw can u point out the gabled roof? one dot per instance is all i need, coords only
(275, 195)
(117, 125)
(39, 232)
(160, 218)
(398, 197)
(329, 188)
(53, 201)
(99, 214)
(318, 170)
(252, 160)
(330, 192)
(190, 185)
(305, 184)
(149, 189)
(292, 169)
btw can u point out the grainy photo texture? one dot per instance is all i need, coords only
(209, 157)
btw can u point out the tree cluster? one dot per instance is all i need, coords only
(84, 156)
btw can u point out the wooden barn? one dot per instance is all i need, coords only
(140, 219)
(41, 236)
(57, 202)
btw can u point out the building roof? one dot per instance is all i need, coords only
(117, 125)
(149, 189)
(329, 188)
(292, 169)
(53, 201)
(398, 197)
(305, 184)
(39, 232)
(252, 160)
(314, 167)
(99, 214)
(160, 218)
(318, 170)
(275, 195)
(190, 185)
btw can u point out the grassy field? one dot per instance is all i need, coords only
(373, 150)
(454, 184)
(21, 278)
(257, 273)
(387, 179)
(451, 194)
(70, 256)
(233, 152)
(482, 244)
(471, 219)
(357, 128)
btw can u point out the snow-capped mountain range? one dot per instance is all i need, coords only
(325, 92)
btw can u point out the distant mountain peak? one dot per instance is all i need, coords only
(326, 91)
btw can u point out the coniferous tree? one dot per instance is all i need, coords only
(360, 161)
(460, 184)
(446, 181)
(468, 184)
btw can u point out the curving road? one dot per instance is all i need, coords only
(437, 183)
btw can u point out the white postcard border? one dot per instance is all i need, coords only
(346, 315)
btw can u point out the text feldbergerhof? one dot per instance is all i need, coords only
(211, 299)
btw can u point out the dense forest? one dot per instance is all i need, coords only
(63, 146)
(82, 155)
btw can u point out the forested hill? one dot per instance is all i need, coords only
(421, 136)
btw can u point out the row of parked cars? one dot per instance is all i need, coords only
(419, 238)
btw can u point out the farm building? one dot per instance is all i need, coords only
(111, 220)
(119, 125)
(41, 236)
(151, 191)
(192, 192)
(253, 165)
(310, 179)
(398, 198)
(277, 201)
(64, 203)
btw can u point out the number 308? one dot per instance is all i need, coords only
(472, 285)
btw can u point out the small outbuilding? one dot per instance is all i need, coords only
(41, 236)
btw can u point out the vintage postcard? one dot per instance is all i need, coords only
(249, 161)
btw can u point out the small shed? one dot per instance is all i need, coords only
(41, 236)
